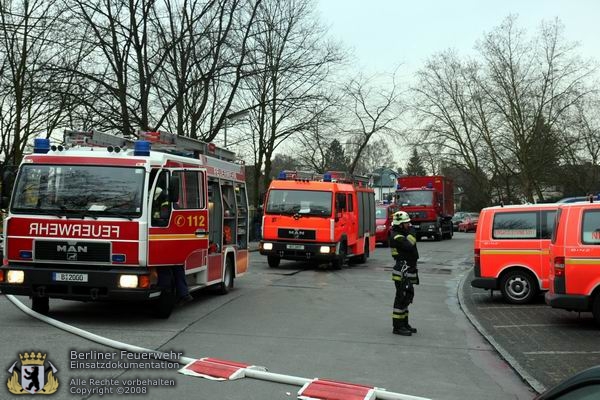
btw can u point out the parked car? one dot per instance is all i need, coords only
(457, 219)
(584, 385)
(577, 199)
(469, 223)
(383, 216)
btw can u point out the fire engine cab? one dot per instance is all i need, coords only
(318, 218)
(105, 217)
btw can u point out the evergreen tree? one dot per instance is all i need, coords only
(335, 157)
(415, 165)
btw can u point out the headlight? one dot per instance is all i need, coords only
(15, 276)
(128, 281)
(267, 246)
(324, 249)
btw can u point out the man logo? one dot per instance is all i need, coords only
(32, 379)
(63, 248)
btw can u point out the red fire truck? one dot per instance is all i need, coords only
(429, 201)
(319, 218)
(104, 218)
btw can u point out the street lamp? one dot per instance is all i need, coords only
(232, 117)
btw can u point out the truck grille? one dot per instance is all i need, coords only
(293, 233)
(417, 215)
(72, 251)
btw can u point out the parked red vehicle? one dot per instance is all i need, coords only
(469, 223)
(383, 215)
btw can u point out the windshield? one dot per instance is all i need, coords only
(381, 212)
(304, 202)
(415, 198)
(79, 189)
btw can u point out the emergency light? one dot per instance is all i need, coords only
(141, 148)
(327, 177)
(281, 176)
(41, 146)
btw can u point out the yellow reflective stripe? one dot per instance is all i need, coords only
(411, 239)
(398, 236)
(396, 278)
(403, 316)
(534, 252)
(179, 236)
(582, 261)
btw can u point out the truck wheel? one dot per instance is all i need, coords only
(338, 262)
(518, 287)
(596, 309)
(365, 255)
(273, 261)
(40, 304)
(227, 284)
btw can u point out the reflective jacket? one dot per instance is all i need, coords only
(404, 250)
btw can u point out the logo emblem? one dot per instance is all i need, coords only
(35, 377)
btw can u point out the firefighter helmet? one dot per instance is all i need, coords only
(400, 217)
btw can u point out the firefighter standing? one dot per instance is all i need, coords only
(405, 274)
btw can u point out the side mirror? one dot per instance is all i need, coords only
(174, 189)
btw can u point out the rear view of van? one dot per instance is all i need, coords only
(511, 250)
(575, 259)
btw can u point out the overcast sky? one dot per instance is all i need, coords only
(385, 33)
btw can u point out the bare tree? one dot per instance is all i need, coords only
(27, 46)
(206, 61)
(455, 119)
(531, 84)
(374, 111)
(293, 61)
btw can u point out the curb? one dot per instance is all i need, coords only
(531, 381)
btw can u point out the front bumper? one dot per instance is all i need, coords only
(100, 285)
(485, 283)
(568, 302)
(425, 228)
(299, 251)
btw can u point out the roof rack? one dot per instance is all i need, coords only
(161, 141)
(329, 176)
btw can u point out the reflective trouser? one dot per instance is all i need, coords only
(404, 296)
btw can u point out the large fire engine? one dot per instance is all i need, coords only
(429, 201)
(105, 217)
(318, 218)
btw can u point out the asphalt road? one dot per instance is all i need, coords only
(302, 322)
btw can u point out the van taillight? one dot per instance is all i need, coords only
(559, 266)
(476, 257)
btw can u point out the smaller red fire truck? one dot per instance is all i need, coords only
(104, 217)
(429, 201)
(318, 218)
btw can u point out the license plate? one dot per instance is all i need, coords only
(295, 246)
(69, 277)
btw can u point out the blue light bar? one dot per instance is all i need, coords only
(41, 146)
(429, 185)
(141, 148)
(327, 177)
(281, 176)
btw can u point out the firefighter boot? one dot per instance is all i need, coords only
(413, 330)
(402, 329)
